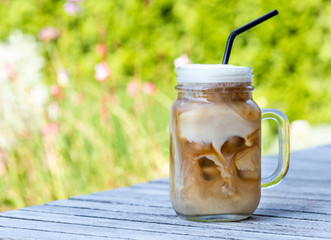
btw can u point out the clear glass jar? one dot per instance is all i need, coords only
(215, 144)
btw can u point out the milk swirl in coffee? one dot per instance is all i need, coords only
(215, 148)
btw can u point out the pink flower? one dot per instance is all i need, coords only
(101, 49)
(102, 71)
(56, 91)
(10, 71)
(182, 61)
(104, 113)
(47, 34)
(50, 130)
(71, 7)
(148, 88)
(3, 160)
(3, 154)
(133, 88)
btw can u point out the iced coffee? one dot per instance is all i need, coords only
(215, 149)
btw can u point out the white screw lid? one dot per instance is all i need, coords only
(213, 73)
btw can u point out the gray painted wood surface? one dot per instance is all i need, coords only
(298, 208)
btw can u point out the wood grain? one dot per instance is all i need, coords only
(298, 208)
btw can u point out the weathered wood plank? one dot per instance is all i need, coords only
(17, 233)
(282, 214)
(267, 202)
(166, 204)
(114, 206)
(286, 190)
(125, 215)
(275, 226)
(290, 187)
(315, 154)
(280, 204)
(88, 229)
(305, 171)
(277, 204)
(275, 201)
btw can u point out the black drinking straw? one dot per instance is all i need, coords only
(242, 29)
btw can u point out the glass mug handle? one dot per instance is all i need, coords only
(284, 146)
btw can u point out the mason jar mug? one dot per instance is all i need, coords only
(215, 144)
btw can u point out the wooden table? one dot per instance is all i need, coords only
(298, 208)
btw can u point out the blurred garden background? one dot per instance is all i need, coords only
(86, 85)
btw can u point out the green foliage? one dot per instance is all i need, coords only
(290, 55)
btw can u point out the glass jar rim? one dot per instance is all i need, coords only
(228, 87)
